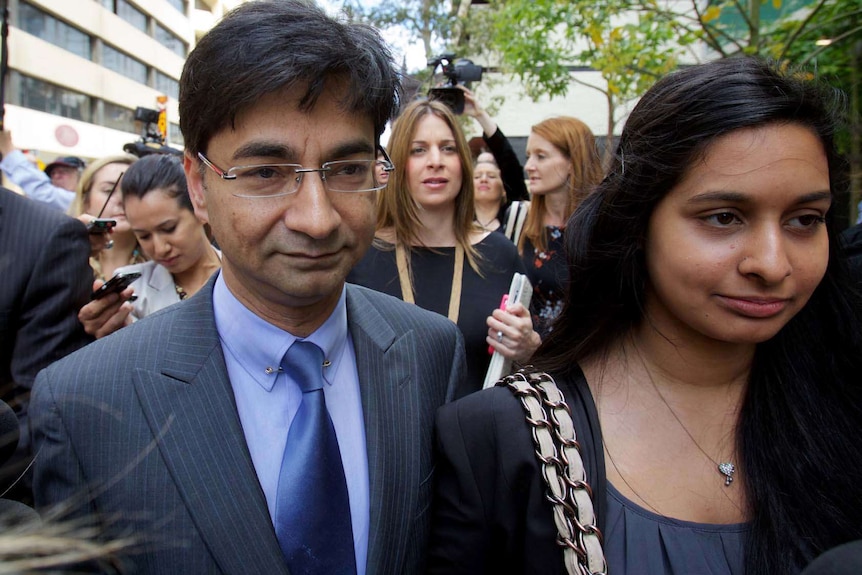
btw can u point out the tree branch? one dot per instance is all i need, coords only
(835, 41)
(792, 38)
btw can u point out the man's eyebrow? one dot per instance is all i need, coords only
(264, 150)
(352, 148)
(290, 154)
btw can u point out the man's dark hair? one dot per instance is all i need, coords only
(267, 46)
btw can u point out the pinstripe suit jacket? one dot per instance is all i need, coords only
(45, 278)
(140, 431)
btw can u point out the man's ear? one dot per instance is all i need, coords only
(195, 181)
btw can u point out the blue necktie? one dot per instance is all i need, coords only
(312, 512)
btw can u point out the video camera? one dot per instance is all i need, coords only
(461, 70)
(151, 141)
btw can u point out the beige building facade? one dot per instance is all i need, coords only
(78, 69)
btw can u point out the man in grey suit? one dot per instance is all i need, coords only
(45, 278)
(178, 430)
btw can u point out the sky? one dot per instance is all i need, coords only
(398, 40)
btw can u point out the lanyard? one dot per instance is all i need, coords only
(457, 276)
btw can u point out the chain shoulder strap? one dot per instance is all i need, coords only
(559, 454)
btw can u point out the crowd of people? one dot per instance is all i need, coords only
(292, 381)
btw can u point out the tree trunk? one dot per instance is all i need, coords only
(460, 20)
(609, 142)
(754, 22)
(855, 135)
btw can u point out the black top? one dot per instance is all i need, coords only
(432, 287)
(511, 171)
(852, 239)
(490, 512)
(547, 272)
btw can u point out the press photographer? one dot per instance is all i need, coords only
(152, 137)
(461, 70)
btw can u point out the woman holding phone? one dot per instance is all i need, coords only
(156, 203)
(98, 196)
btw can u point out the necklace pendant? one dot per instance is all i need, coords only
(727, 469)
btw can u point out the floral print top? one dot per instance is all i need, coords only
(547, 272)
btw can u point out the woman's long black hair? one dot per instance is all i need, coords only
(157, 172)
(803, 407)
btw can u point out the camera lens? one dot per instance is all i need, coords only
(452, 97)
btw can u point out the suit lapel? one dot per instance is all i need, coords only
(191, 410)
(383, 360)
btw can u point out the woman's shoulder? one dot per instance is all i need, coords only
(499, 408)
(518, 205)
(376, 265)
(482, 422)
(500, 254)
(496, 242)
(385, 237)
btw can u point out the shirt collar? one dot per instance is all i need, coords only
(258, 346)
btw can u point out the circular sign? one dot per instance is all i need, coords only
(66, 135)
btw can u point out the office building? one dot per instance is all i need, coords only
(78, 69)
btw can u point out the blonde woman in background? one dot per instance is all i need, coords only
(428, 249)
(490, 196)
(120, 247)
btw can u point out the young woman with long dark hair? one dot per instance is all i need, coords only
(709, 348)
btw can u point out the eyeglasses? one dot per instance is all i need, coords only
(273, 180)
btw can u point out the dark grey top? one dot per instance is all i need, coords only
(640, 541)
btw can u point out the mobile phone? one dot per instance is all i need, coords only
(101, 226)
(503, 307)
(521, 290)
(116, 284)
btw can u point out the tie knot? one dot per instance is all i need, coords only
(304, 362)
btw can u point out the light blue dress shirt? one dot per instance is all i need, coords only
(34, 182)
(267, 400)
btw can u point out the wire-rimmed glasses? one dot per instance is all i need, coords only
(273, 180)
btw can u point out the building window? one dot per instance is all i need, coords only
(179, 5)
(127, 12)
(45, 97)
(170, 41)
(57, 32)
(167, 85)
(119, 118)
(175, 135)
(124, 64)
